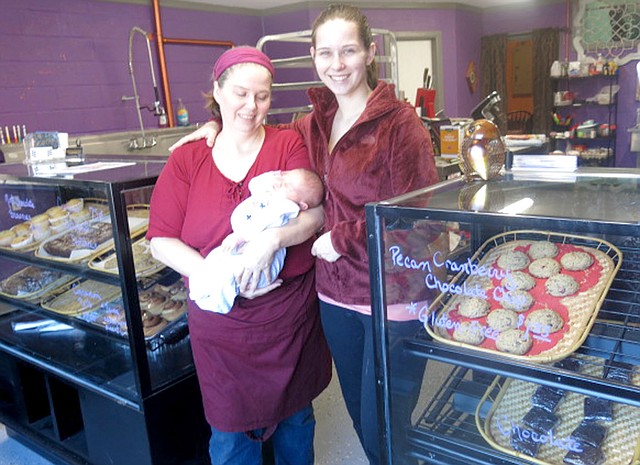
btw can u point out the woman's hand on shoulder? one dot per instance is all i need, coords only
(207, 131)
(323, 248)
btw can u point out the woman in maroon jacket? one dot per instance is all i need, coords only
(367, 146)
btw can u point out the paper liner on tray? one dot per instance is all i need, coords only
(79, 297)
(578, 311)
(510, 402)
(145, 265)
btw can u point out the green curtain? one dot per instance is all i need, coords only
(546, 43)
(493, 63)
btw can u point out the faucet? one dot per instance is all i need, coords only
(157, 107)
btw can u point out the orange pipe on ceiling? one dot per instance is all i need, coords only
(161, 41)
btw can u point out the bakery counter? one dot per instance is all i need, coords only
(94, 345)
(528, 291)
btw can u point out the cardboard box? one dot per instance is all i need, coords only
(450, 141)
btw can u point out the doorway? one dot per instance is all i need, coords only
(418, 51)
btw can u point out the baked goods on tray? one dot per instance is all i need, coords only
(528, 294)
(86, 237)
(32, 282)
(143, 261)
(551, 426)
(169, 303)
(80, 297)
(26, 236)
(90, 238)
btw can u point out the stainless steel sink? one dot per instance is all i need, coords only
(116, 143)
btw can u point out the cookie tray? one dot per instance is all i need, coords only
(580, 309)
(509, 400)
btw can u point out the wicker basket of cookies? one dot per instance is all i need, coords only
(552, 426)
(526, 294)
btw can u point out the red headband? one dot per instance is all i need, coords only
(238, 55)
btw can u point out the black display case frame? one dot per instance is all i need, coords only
(593, 202)
(87, 396)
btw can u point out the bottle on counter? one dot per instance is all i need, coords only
(163, 121)
(182, 114)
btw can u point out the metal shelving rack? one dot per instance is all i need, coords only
(387, 58)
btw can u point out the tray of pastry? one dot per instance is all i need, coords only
(90, 238)
(28, 235)
(31, 283)
(551, 426)
(160, 306)
(79, 296)
(525, 294)
(145, 265)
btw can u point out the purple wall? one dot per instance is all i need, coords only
(64, 62)
(65, 68)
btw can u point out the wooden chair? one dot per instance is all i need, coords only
(519, 122)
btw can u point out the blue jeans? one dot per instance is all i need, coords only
(292, 443)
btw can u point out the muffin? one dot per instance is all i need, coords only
(58, 217)
(40, 221)
(6, 237)
(561, 285)
(473, 307)
(576, 261)
(41, 234)
(55, 212)
(514, 260)
(61, 225)
(543, 249)
(518, 281)
(502, 319)
(22, 241)
(544, 321)
(21, 229)
(469, 332)
(74, 205)
(518, 301)
(514, 341)
(80, 216)
(544, 267)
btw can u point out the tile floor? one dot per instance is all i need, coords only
(336, 442)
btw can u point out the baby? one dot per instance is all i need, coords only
(276, 197)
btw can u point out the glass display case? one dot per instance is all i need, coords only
(527, 290)
(94, 347)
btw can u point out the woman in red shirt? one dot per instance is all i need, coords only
(261, 365)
